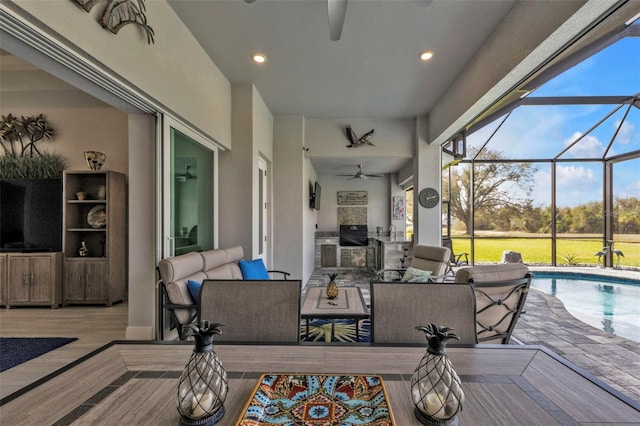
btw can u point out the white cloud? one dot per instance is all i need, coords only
(541, 193)
(626, 132)
(572, 176)
(588, 147)
(577, 185)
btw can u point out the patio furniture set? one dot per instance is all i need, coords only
(482, 304)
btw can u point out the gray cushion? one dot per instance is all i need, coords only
(176, 271)
(489, 273)
(431, 258)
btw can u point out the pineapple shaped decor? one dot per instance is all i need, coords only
(332, 287)
(435, 386)
(203, 384)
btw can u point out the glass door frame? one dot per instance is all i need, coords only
(164, 177)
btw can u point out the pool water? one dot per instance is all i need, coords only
(609, 304)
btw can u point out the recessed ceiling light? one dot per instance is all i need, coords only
(259, 58)
(426, 55)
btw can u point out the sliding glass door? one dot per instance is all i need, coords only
(189, 191)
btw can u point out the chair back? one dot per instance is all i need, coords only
(431, 258)
(446, 242)
(253, 310)
(501, 291)
(397, 308)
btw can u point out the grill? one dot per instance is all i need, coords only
(354, 235)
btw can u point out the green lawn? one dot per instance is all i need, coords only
(538, 251)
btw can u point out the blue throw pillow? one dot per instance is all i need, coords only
(194, 290)
(253, 270)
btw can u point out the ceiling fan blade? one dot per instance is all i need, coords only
(337, 10)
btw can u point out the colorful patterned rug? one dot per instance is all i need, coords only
(345, 331)
(16, 350)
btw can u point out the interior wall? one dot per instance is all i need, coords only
(142, 243)
(427, 226)
(309, 222)
(236, 177)
(378, 200)
(262, 146)
(163, 71)
(326, 138)
(81, 123)
(294, 219)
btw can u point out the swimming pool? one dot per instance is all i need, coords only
(609, 304)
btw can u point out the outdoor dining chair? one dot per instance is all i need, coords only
(501, 291)
(426, 258)
(253, 310)
(397, 308)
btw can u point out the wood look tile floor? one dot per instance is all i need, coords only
(94, 326)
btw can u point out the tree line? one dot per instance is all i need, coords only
(503, 202)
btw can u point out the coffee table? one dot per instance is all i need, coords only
(348, 305)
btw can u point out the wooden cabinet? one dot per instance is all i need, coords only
(85, 281)
(94, 242)
(34, 279)
(328, 255)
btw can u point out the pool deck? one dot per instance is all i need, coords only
(614, 360)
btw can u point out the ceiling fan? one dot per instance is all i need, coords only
(361, 175)
(337, 10)
(186, 175)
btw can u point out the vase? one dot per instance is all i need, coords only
(203, 384)
(435, 387)
(94, 159)
(83, 251)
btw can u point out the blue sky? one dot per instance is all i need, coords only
(542, 132)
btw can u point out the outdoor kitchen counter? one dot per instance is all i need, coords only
(389, 252)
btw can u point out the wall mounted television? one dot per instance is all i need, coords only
(317, 196)
(30, 215)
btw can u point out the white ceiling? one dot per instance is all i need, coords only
(372, 72)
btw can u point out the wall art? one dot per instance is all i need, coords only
(354, 198)
(118, 13)
(398, 207)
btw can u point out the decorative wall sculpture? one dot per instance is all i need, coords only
(358, 141)
(357, 198)
(118, 13)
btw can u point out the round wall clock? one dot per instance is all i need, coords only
(429, 197)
